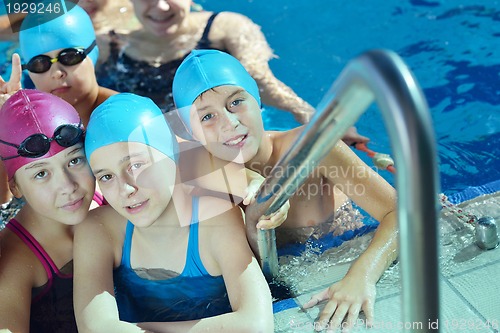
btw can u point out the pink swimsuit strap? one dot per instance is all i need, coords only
(37, 249)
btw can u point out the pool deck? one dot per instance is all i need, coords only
(470, 280)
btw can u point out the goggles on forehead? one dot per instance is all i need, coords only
(68, 57)
(37, 145)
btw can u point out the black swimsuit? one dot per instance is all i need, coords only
(124, 74)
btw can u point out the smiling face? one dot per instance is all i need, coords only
(71, 83)
(60, 187)
(161, 17)
(135, 179)
(228, 122)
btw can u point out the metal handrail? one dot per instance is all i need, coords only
(378, 75)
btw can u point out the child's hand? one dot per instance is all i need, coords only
(8, 89)
(276, 219)
(265, 222)
(345, 299)
(252, 189)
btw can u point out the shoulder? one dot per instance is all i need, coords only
(20, 271)
(18, 264)
(227, 17)
(230, 23)
(99, 237)
(215, 212)
(101, 222)
(282, 140)
(220, 232)
(104, 93)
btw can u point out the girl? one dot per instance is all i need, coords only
(156, 254)
(61, 55)
(41, 146)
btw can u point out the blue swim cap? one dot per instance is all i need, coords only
(206, 69)
(72, 29)
(128, 117)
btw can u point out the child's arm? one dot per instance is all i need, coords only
(7, 89)
(356, 291)
(16, 281)
(93, 255)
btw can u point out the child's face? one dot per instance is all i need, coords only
(135, 179)
(161, 17)
(71, 83)
(227, 120)
(59, 187)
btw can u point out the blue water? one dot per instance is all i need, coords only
(452, 47)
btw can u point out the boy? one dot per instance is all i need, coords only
(219, 103)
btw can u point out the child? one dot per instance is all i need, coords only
(62, 59)
(164, 255)
(219, 103)
(41, 146)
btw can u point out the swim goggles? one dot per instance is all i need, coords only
(37, 145)
(68, 57)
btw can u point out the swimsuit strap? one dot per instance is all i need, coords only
(194, 265)
(127, 245)
(99, 198)
(204, 42)
(37, 250)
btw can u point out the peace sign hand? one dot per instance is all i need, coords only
(9, 88)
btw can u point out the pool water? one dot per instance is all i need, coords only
(452, 47)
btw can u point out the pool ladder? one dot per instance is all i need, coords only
(381, 76)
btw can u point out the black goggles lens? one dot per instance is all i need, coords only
(67, 57)
(37, 145)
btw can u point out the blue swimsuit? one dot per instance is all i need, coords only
(194, 294)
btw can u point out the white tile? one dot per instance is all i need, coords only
(456, 316)
(481, 289)
(293, 320)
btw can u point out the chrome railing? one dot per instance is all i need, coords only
(383, 77)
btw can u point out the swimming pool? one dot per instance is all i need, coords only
(452, 47)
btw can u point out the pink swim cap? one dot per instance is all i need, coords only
(29, 112)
